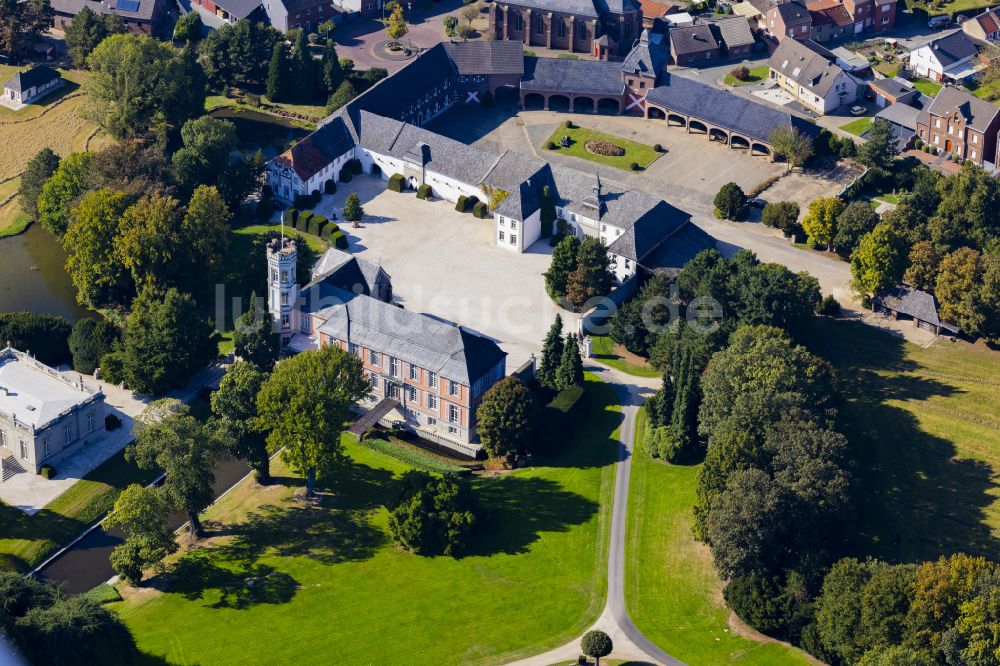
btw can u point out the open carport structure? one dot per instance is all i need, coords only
(579, 86)
(723, 117)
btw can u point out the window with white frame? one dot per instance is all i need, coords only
(502, 236)
(453, 415)
(414, 373)
(68, 433)
(975, 138)
(431, 420)
(24, 450)
(973, 155)
(513, 224)
(373, 357)
(432, 380)
(412, 395)
(373, 380)
(513, 239)
(453, 389)
(432, 401)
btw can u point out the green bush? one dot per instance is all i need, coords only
(634, 166)
(829, 306)
(657, 147)
(89, 341)
(462, 204)
(396, 182)
(346, 174)
(316, 224)
(338, 240)
(559, 419)
(330, 187)
(424, 191)
(355, 166)
(45, 336)
(103, 594)
(549, 145)
(302, 224)
(316, 197)
(47, 471)
(918, 144)
(291, 215)
(731, 202)
(753, 599)
(328, 230)
(480, 210)
(265, 208)
(568, 124)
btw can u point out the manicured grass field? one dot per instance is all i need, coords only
(26, 540)
(331, 584)
(674, 595)
(604, 352)
(857, 127)
(927, 87)
(923, 426)
(757, 74)
(639, 153)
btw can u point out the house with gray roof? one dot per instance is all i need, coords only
(905, 302)
(959, 123)
(734, 36)
(27, 86)
(950, 57)
(141, 17)
(810, 73)
(693, 45)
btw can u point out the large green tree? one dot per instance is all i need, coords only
(879, 261)
(142, 513)
(138, 83)
(507, 419)
(570, 370)
(23, 23)
(592, 276)
(239, 53)
(791, 144)
(204, 156)
(60, 191)
(303, 406)
(433, 516)
(254, 338)
(167, 437)
(278, 74)
(552, 349)
(38, 170)
(879, 149)
(333, 73)
(820, 221)
(731, 202)
(165, 342)
(563, 263)
(87, 30)
(93, 260)
(234, 404)
(858, 219)
(90, 340)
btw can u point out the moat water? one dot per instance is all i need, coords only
(33, 275)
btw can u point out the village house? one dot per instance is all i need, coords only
(141, 17)
(735, 37)
(946, 58)
(962, 124)
(25, 87)
(985, 27)
(693, 45)
(787, 19)
(44, 416)
(604, 28)
(427, 375)
(810, 73)
(892, 91)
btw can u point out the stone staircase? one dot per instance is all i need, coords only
(9, 467)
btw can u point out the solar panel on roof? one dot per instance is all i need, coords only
(127, 5)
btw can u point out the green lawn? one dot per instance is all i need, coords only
(27, 540)
(927, 87)
(604, 352)
(990, 92)
(923, 424)
(757, 74)
(338, 586)
(857, 127)
(954, 7)
(889, 198)
(639, 153)
(674, 595)
(213, 102)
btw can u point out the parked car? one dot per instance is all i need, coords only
(757, 202)
(858, 110)
(939, 22)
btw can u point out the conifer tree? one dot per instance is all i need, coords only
(552, 351)
(547, 214)
(333, 74)
(278, 74)
(570, 370)
(304, 71)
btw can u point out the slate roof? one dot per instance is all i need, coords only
(578, 7)
(952, 48)
(437, 345)
(596, 77)
(978, 113)
(38, 75)
(892, 87)
(347, 271)
(496, 57)
(914, 303)
(616, 6)
(73, 7)
(650, 229)
(645, 58)
(35, 394)
(678, 249)
(450, 158)
(688, 39)
(734, 31)
(807, 63)
(512, 169)
(793, 13)
(308, 157)
(240, 9)
(399, 92)
(724, 109)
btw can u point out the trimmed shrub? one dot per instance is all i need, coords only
(47, 471)
(569, 124)
(301, 201)
(265, 208)
(302, 224)
(926, 148)
(338, 240)
(355, 165)
(291, 215)
(316, 224)
(328, 230)
(763, 185)
(317, 196)
(345, 174)
(396, 182)
(462, 204)
(741, 73)
(330, 187)
(549, 145)
(657, 147)
(471, 204)
(918, 144)
(829, 306)
(634, 166)
(480, 210)
(560, 419)
(424, 191)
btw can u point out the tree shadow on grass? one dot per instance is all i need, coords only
(519, 509)
(240, 587)
(917, 500)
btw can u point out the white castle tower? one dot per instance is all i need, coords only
(282, 285)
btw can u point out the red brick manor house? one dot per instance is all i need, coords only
(600, 27)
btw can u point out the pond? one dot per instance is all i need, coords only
(255, 130)
(33, 277)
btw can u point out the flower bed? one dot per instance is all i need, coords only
(605, 148)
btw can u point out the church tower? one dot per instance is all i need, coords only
(282, 285)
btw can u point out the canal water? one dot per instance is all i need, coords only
(33, 275)
(87, 564)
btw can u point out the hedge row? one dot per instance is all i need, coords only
(480, 209)
(560, 419)
(465, 204)
(411, 458)
(316, 225)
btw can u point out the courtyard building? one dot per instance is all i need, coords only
(44, 416)
(961, 124)
(603, 28)
(735, 37)
(810, 73)
(27, 86)
(693, 45)
(427, 375)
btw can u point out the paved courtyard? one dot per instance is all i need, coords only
(446, 264)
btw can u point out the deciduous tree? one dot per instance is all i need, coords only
(782, 215)
(141, 512)
(878, 262)
(344, 93)
(234, 405)
(858, 219)
(731, 202)
(396, 26)
(820, 221)
(254, 338)
(38, 170)
(303, 406)
(791, 144)
(925, 262)
(507, 419)
(93, 262)
(596, 644)
(59, 193)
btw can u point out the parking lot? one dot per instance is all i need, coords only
(445, 263)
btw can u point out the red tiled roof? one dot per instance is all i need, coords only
(655, 8)
(837, 15)
(989, 21)
(305, 158)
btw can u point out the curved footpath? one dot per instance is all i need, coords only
(629, 643)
